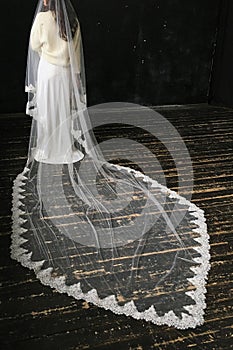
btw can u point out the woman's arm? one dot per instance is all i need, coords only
(35, 36)
(77, 41)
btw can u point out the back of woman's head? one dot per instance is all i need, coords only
(50, 5)
(64, 16)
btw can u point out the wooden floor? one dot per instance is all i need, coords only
(34, 316)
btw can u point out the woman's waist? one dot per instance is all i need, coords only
(57, 60)
(48, 70)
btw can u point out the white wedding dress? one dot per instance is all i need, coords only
(54, 123)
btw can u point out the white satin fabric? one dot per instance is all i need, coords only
(55, 142)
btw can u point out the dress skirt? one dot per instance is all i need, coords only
(55, 143)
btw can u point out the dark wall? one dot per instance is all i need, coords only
(221, 87)
(149, 52)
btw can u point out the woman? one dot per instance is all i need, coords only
(89, 228)
(55, 143)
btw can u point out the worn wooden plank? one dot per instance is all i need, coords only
(35, 316)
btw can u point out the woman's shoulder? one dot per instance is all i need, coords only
(44, 15)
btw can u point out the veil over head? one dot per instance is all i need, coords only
(90, 228)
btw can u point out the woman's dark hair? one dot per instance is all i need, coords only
(58, 14)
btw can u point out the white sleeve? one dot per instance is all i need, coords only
(35, 36)
(76, 41)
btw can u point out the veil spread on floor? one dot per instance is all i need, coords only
(95, 230)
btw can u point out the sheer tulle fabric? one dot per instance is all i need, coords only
(92, 229)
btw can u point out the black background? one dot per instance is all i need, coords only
(221, 87)
(149, 52)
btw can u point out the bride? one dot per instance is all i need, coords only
(92, 229)
(55, 143)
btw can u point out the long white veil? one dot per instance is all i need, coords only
(90, 228)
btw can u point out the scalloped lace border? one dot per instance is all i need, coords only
(110, 303)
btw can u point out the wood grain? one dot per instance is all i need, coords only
(35, 316)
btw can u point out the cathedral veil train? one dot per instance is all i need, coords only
(95, 230)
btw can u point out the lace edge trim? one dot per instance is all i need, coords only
(110, 303)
